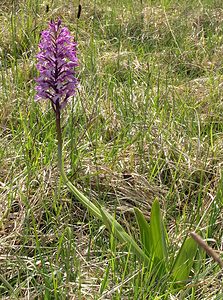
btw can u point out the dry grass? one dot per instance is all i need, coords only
(148, 124)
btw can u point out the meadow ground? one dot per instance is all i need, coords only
(147, 123)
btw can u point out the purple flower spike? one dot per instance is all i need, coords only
(56, 62)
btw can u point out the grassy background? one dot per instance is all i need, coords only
(147, 123)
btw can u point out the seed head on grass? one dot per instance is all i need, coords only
(56, 62)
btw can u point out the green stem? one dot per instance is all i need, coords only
(98, 211)
(92, 208)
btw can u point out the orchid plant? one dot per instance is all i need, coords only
(57, 82)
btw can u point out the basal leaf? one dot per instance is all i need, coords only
(145, 234)
(184, 260)
(119, 232)
(159, 246)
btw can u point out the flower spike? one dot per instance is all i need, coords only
(56, 64)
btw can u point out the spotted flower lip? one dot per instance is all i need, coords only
(56, 62)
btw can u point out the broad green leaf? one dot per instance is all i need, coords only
(110, 222)
(145, 234)
(184, 260)
(159, 247)
(114, 227)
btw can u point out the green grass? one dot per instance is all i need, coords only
(147, 123)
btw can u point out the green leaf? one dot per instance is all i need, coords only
(159, 247)
(184, 260)
(145, 233)
(114, 227)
